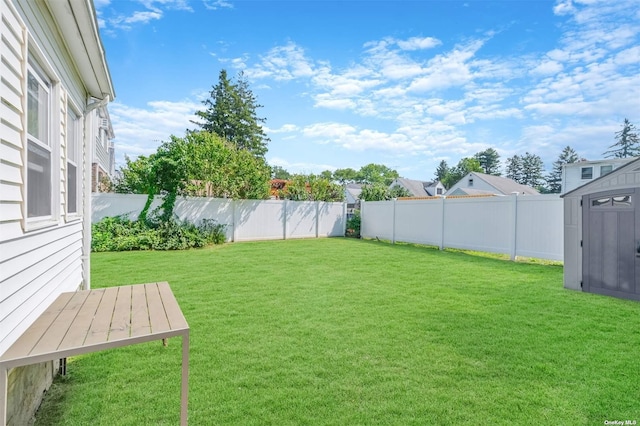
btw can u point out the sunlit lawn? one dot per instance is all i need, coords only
(350, 332)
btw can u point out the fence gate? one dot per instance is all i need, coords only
(611, 243)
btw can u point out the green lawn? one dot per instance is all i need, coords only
(350, 332)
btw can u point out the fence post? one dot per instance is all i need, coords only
(514, 229)
(362, 234)
(317, 218)
(234, 221)
(284, 219)
(393, 229)
(442, 201)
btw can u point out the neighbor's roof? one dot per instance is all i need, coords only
(505, 185)
(415, 187)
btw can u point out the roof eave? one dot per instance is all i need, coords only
(77, 22)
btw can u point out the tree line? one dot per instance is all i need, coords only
(224, 157)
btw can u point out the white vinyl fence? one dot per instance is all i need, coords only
(528, 226)
(245, 220)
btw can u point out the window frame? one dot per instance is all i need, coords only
(37, 67)
(73, 139)
(583, 174)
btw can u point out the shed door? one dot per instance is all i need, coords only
(611, 243)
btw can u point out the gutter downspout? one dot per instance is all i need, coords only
(86, 214)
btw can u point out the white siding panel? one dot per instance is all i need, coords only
(13, 249)
(43, 291)
(10, 173)
(9, 154)
(10, 211)
(9, 96)
(17, 264)
(10, 73)
(10, 230)
(21, 286)
(10, 135)
(11, 31)
(9, 114)
(10, 192)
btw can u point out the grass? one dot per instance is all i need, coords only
(351, 332)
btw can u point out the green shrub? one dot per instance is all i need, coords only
(353, 225)
(121, 234)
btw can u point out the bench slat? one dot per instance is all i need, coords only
(174, 314)
(79, 329)
(157, 314)
(99, 330)
(121, 319)
(140, 324)
(50, 341)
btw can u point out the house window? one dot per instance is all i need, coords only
(73, 160)
(439, 191)
(470, 182)
(39, 150)
(605, 169)
(586, 172)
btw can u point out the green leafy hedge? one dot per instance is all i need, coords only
(121, 234)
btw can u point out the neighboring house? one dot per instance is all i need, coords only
(352, 196)
(476, 183)
(419, 188)
(103, 167)
(53, 77)
(577, 174)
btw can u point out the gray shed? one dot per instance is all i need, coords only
(602, 234)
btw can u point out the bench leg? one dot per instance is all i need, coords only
(184, 398)
(3, 395)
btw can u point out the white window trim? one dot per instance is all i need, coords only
(78, 163)
(39, 67)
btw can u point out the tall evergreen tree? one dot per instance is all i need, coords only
(442, 171)
(627, 142)
(554, 179)
(489, 160)
(532, 170)
(513, 168)
(231, 114)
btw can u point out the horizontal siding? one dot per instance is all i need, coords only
(10, 192)
(11, 29)
(10, 230)
(10, 211)
(34, 270)
(10, 135)
(10, 173)
(9, 154)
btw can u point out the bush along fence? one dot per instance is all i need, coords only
(242, 220)
(516, 225)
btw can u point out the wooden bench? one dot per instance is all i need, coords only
(88, 321)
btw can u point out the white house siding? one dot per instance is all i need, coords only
(38, 261)
(35, 264)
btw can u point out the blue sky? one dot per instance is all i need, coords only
(400, 83)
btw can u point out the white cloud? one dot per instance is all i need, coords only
(139, 131)
(282, 63)
(217, 4)
(418, 43)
